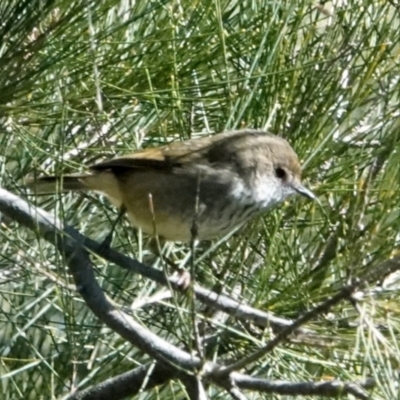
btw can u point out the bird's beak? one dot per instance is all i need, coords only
(299, 188)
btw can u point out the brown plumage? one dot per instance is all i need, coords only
(233, 175)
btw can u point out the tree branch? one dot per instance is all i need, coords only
(171, 361)
(70, 243)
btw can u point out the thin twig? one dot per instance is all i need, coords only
(193, 238)
(345, 293)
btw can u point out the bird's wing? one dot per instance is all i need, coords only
(152, 158)
(174, 155)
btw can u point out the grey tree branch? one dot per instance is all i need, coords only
(70, 243)
(212, 299)
(171, 361)
(127, 384)
(325, 388)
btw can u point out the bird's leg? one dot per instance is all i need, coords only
(106, 243)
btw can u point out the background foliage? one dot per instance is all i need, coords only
(83, 81)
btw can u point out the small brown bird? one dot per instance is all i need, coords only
(220, 181)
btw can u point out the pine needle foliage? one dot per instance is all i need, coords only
(82, 81)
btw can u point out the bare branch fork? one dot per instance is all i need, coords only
(170, 361)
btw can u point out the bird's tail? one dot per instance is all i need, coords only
(53, 184)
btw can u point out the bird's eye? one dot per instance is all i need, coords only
(280, 173)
